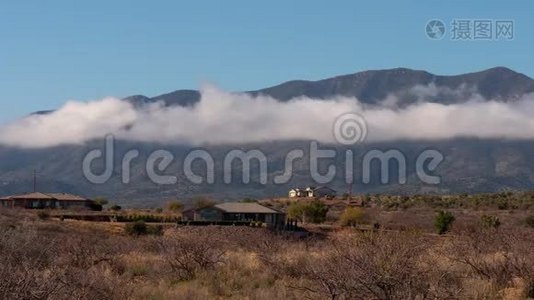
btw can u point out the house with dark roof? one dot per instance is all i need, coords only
(237, 211)
(312, 192)
(321, 191)
(38, 200)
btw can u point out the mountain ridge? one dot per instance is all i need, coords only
(471, 165)
(373, 85)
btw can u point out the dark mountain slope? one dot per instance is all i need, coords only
(373, 86)
(471, 165)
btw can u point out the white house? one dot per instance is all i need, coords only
(297, 193)
(312, 192)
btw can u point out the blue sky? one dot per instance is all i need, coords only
(54, 51)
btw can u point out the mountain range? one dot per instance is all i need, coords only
(370, 87)
(470, 165)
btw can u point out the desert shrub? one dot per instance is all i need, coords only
(351, 216)
(296, 211)
(187, 254)
(99, 282)
(93, 268)
(155, 229)
(141, 228)
(101, 201)
(490, 221)
(147, 218)
(202, 202)
(115, 207)
(41, 264)
(26, 266)
(95, 207)
(313, 212)
(529, 221)
(175, 206)
(264, 243)
(502, 204)
(375, 265)
(136, 228)
(499, 257)
(240, 277)
(443, 221)
(249, 200)
(43, 215)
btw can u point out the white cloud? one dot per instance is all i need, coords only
(222, 117)
(74, 123)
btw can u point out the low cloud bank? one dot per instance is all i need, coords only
(222, 117)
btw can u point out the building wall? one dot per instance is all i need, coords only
(72, 204)
(208, 214)
(267, 218)
(246, 217)
(43, 204)
(213, 214)
(324, 192)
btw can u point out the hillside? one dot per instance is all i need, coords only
(471, 164)
(373, 86)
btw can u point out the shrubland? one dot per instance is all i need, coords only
(53, 259)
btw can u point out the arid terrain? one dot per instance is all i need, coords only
(385, 249)
(267, 150)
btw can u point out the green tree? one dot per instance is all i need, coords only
(175, 206)
(296, 211)
(315, 212)
(312, 212)
(443, 221)
(95, 207)
(490, 221)
(43, 215)
(249, 200)
(352, 216)
(202, 202)
(115, 207)
(530, 221)
(136, 228)
(101, 201)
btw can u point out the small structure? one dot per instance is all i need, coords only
(298, 193)
(312, 192)
(38, 200)
(236, 211)
(321, 191)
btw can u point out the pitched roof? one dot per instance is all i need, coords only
(67, 197)
(47, 196)
(322, 188)
(36, 195)
(312, 188)
(247, 208)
